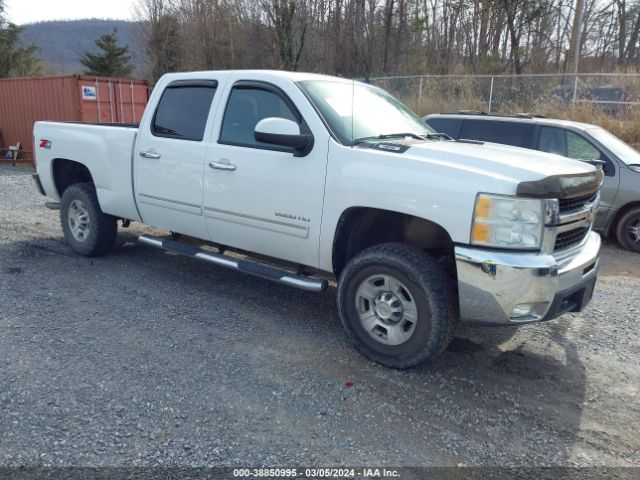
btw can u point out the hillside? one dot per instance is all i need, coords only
(63, 42)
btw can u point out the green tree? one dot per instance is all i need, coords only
(15, 61)
(112, 62)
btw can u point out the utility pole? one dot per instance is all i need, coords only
(576, 36)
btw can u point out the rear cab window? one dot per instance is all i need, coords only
(183, 110)
(517, 134)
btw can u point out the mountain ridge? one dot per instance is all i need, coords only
(61, 43)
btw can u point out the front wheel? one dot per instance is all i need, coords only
(628, 230)
(397, 304)
(87, 230)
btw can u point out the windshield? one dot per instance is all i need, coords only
(356, 111)
(624, 152)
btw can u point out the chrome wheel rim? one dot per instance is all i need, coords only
(633, 231)
(387, 309)
(78, 219)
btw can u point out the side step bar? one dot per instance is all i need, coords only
(252, 268)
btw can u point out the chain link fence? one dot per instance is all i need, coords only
(613, 94)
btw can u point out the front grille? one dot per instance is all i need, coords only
(572, 204)
(572, 237)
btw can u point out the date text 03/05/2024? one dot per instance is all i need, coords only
(315, 473)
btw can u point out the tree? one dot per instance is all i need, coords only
(112, 62)
(161, 33)
(285, 17)
(15, 61)
(357, 38)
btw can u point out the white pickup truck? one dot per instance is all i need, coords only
(335, 179)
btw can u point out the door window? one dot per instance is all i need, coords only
(245, 108)
(553, 140)
(569, 144)
(517, 134)
(581, 149)
(183, 111)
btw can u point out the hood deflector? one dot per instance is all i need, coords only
(562, 186)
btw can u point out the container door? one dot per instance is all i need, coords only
(130, 100)
(97, 100)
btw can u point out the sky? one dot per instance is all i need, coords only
(27, 11)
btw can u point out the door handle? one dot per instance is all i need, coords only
(222, 165)
(150, 154)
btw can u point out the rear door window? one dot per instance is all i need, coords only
(517, 134)
(448, 126)
(183, 111)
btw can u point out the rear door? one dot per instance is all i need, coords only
(169, 157)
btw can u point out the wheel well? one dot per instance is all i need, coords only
(360, 228)
(621, 211)
(68, 172)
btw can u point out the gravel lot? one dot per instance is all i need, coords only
(146, 358)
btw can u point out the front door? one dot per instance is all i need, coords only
(259, 197)
(573, 145)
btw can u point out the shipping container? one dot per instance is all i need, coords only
(75, 98)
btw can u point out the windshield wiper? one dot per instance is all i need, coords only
(438, 136)
(358, 141)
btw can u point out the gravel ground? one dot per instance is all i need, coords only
(143, 358)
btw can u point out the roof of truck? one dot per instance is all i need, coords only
(294, 76)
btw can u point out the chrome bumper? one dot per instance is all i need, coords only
(511, 288)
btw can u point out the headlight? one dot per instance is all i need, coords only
(507, 222)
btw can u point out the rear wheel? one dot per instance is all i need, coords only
(628, 230)
(397, 304)
(87, 230)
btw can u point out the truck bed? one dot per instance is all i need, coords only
(105, 149)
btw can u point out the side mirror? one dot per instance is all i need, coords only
(594, 162)
(597, 163)
(284, 133)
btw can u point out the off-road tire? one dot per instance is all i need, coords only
(434, 292)
(626, 222)
(102, 228)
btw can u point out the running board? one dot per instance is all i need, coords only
(252, 268)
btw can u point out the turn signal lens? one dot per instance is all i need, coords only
(480, 233)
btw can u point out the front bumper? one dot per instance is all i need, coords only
(514, 288)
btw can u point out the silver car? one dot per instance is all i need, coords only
(619, 211)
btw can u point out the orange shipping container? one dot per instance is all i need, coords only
(75, 98)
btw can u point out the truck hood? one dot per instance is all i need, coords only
(499, 161)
